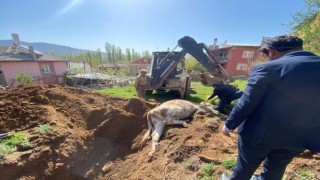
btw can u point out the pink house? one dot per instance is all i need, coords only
(43, 68)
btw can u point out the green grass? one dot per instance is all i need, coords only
(129, 92)
(187, 165)
(208, 178)
(241, 84)
(229, 163)
(305, 175)
(125, 92)
(8, 144)
(5, 149)
(208, 169)
(199, 92)
(44, 128)
(212, 120)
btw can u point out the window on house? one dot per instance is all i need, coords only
(46, 68)
(248, 54)
(222, 54)
(242, 66)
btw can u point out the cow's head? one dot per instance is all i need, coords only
(207, 107)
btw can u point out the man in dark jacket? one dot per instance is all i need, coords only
(226, 93)
(278, 115)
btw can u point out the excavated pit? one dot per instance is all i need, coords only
(97, 136)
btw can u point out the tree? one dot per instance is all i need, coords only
(119, 55)
(307, 25)
(128, 55)
(135, 55)
(108, 48)
(146, 54)
(98, 57)
(193, 65)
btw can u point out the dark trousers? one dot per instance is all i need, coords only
(224, 102)
(250, 157)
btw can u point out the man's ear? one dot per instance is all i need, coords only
(271, 52)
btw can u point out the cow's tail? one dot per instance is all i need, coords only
(148, 133)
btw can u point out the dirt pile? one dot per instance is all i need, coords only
(96, 136)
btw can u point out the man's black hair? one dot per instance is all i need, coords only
(282, 43)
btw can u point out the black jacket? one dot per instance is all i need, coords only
(280, 107)
(224, 92)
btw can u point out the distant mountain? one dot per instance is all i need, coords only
(47, 47)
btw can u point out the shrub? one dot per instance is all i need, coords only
(229, 163)
(305, 175)
(187, 165)
(193, 163)
(44, 128)
(23, 78)
(192, 64)
(208, 169)
(7, 145)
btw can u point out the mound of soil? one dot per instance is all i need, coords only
(97, 136)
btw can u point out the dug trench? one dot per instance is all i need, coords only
(96, 136)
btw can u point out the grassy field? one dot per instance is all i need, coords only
(198, 94)
(241, 84)
(125, 92)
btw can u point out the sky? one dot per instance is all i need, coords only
(153, 25)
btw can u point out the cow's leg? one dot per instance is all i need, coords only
(176, 122)
(159, 129)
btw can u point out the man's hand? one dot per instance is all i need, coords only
(1, 103)
(226, 131)
(214, 98)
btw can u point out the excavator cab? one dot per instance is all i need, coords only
(168, 73)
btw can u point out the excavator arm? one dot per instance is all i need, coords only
(206, 59)
(164, 73)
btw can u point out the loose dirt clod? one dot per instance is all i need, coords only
(95, 136)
